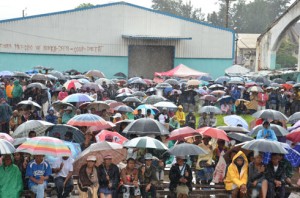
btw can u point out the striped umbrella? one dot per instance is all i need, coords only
(38, 126)
(75, 84)
(78, 97)
(145, 142)
(86, 119)
(44, 146)
(7, 137)
(6, 147)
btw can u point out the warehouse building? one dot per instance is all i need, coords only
(115, 37)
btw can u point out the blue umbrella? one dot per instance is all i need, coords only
(221, 79)
(293, 156)
(205, 78)
(226, 99)
(6, 73)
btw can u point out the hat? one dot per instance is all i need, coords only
(69, 108)
(91, 158)
(107, 157)
(148, 156)
(117, 115)
(180, 107)
(165, 108)
(281, 89)
(180, 157)
(266, 122)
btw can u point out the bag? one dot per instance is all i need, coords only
(219, 173)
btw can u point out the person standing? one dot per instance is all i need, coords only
(191, 120)
(63, 169)
(282, 101)
(109, 178)
(5, 114)
(266, 132)
(9, 88)
(180, 116)
(17, 93)
(38, 171)
(262, 99)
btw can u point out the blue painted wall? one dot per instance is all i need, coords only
(273, 61)
(23, 62)
(215, 67)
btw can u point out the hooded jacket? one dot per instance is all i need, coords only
(17, 90)
(234, 178)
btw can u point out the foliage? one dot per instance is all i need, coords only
(285, 54)
(84, 5)
(179, 8)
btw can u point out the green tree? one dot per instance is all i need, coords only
(179, 8)
(84, 5)
(285, 53)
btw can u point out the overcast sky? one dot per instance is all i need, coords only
(13, 8)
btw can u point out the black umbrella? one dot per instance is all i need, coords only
(239, 137)
(139, 94)
(279, 130)
(187, 149)
(172, 81)
(36, 85)
(120, 74)
(236, 129)
(132, 99)
(294, 118)
(59, 131)
(146, 126)
(21, 74)
(270, 114)
(58, 105)
(278, 80)
(154, 99)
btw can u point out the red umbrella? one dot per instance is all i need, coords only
(294, 136)
(213, 132)
(181, 133)
(101, 127)
(110, 136)
(75, 84)
(287, 86)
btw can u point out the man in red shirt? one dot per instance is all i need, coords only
(263, 97)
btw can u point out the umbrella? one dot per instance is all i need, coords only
(138, 81)
(113, 105)
(235, 120)
(199, 91)
(99, 128)
(25, 104)
(279, 130)
(239, 137)
(181, 133)
(21, 74)
(75, 84)
(294, 118)
(216, 86)
(205, 78)
(98, 105)
(6, 73)
(58, 75)
(263, 145)
(210, 109)
(293, 156)
(221, 79)
(50, 77)
(236, 148)
(6, 147)
(287, 86)
(44, 146)
(218, 93)
(91, 86)
(236, 80)
(270, 114)
(146, 126)
(122, 96)
(19, 141)
(38, 76)
(7, 137)
(297, 85)
(115, 137)
(213, 132)
(125, 122)
(100, 150)
(151, 89)
(209, 98)
(125, 90)
(139, 94)
(153, 99)
(132, 99)
(226, 99)
(236, 70)
(107, 81)
(193, 82)
(165, 104)
(262, 80)
(187, 149)
(278, 80)
(78, 97)
(59, 131)
(95, 73)
(172, 81)
(58, 105)
(36, 85)
(145, 142)
(234, 129)
(86, 119)
(123, 108)
(163, 85)
(145, 107)
(294, 136)
(120, 74)
(254, 89)
(38, 126)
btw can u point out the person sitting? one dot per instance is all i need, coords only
(88, 140)
(275, 174)
(63, 169)
(147, 177)
(180, 178)
(32, 134)
(266, 132)
(174, 124)
(204, 121)
(88, 179)
(11, 184)
(191, 120)
(67, 115)
(15, 120)
(212, 120)
(237, 176)
(38, 171)
(221, 149)
(257, 181)
(69, 136)
(51, 117)
(139, 114)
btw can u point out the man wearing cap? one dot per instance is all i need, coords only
(180, 178)
(109, 178)
(88, 183)
(147, 177)
(117, 117)
(266, 132)
(164, 117)
(67, 115)
(180, 116)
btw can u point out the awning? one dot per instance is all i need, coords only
(152, 37)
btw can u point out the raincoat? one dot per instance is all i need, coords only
(233, 178)
(17, 90)
(11, 184)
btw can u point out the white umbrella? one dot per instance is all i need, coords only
(262, 145)
(234, 120)
(145, 142)
(236, 70)
(6, 147)
(26, 103)
(38, 126)
(165, 104)
(270, 114)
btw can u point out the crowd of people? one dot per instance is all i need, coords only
(141, 171)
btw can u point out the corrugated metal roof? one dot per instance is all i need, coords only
(153, 37)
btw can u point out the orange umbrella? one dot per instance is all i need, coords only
(213, 132)
(287, 86)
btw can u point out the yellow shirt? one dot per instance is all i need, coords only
(9, 89)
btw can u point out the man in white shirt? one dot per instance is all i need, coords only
(163, 117)
(63, 169)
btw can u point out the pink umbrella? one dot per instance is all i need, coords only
(7, 137)
(101, 127)
(125, 90)
(75, 84)
(181, 133)
(294, 136)
(213, 132)
(110, 136)
(209, 98)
